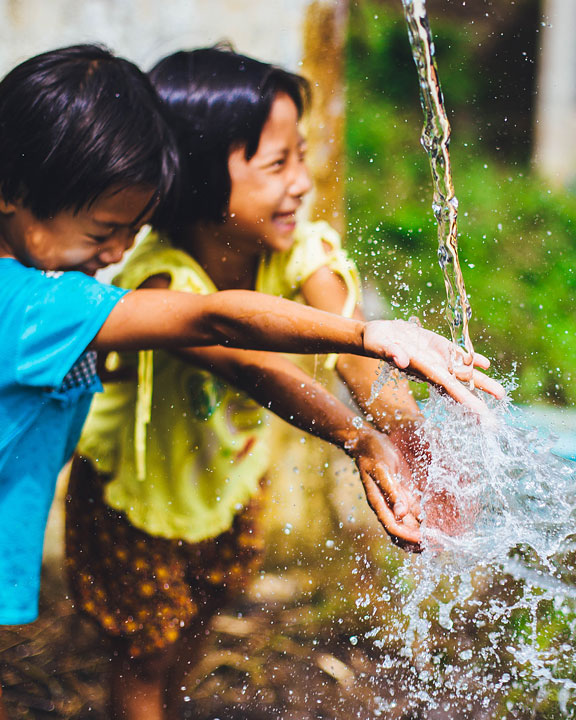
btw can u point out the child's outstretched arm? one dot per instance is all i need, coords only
(239, 318)
(279, 385)
(325, 290)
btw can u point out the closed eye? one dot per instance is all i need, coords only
(277, 163)
(100, 239)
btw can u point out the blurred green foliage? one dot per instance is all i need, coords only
(517, 237)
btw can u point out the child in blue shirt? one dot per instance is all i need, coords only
(46, 383)
(86, 159)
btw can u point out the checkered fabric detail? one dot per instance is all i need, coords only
(83, 373)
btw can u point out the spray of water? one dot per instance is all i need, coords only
(488, 613)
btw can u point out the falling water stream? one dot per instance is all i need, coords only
(436, 141)
(483, 623)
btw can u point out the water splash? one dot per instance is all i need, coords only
(436, 140)
(486, 618)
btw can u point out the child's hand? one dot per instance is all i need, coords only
(382, 469)
(415, 451)
(451, 509)
(431, 357)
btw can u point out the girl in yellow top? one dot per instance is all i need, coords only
(182, 452)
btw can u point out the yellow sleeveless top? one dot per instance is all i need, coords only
(184, 450)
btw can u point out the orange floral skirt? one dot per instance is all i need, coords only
(150, 590)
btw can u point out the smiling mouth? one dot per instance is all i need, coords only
(285, 218)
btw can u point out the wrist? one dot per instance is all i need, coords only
(365, 349)
(357, 436)
(391, 422)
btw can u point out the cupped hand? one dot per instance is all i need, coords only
(452, 509)
(382, 471)
(428, 356)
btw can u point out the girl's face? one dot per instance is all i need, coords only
(85, 241)
(267, 190)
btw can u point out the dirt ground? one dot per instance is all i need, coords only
(281, 654)
(263, 660)
(274, 657)
(294, 649)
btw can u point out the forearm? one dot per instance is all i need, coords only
(304, 403)
(393, 407)
(281, 386)
(232, 318)
(272, 323)
(150, 319)
(285, 389)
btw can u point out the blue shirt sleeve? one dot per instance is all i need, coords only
(61, 317)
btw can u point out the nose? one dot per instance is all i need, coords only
(301, 182)
(113, 251)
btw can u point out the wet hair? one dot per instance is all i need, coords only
(218, 100)
(76, 123)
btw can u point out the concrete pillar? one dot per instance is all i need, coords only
(555, 149)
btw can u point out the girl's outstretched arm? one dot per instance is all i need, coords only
(240, 318)
(279, 385)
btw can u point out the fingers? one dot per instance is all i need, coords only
(465, 397)
(406, 532)
(463, 373)
(431, 357)
(411, 513)
(488, 384)
(394, 506)
(481, 361)
(402, 501)
(397, 355)
(441, 377)
(400, 509)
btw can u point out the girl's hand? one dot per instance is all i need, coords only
(414, 450)
(451, 510)
(382, 470)
(431, 357)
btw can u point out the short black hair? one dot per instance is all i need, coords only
(77, 122)
(217, 100)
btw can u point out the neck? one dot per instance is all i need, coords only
(5, 248)
(228, 266)
(5, 251)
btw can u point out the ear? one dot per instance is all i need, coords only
(6, 208)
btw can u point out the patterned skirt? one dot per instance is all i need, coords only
(150, 590)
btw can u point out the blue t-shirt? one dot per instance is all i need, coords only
(47, 379)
